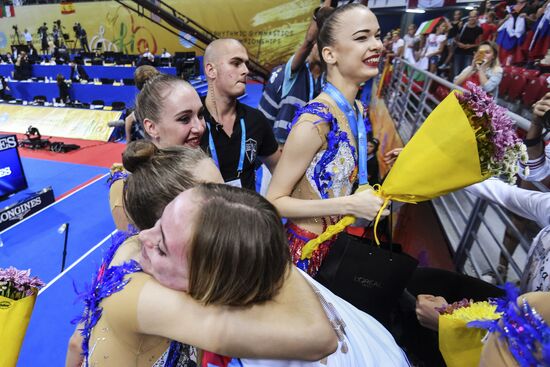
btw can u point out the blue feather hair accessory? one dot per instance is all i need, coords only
(521, 327)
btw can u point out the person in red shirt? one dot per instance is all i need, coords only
(489, 28)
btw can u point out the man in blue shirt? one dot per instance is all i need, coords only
(295, 83)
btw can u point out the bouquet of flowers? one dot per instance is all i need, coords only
(461, 345)
(18, 292)
(466, 139)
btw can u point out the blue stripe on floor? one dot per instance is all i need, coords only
(36, 243)
(61, 176)
(50, 327)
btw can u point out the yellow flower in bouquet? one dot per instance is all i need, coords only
(459, 344)
(18, 292)
(466, 139)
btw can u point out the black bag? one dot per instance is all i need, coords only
(370, 277)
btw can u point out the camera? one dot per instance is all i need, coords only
(14, 28)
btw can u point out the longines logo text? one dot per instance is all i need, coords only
(6, 171)
(367, 283)
(20, 211)
(8, 142)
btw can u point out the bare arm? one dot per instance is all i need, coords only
(272, 160)
(286, 328)
(464, 75)
(305, 48)
(301, 146)
(117, 208)
(74, 350)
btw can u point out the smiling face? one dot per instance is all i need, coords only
(164, 251)
(181, 121)
(355, 52)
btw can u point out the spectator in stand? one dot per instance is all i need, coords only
(398, 44)
(454, 29)
(435, 44)
(28, 37)
(466, 42)
(4, 88)
(63, 86)
(489, 27)
(410, 39)
(165, 54)
(485, 70)
(77, 71)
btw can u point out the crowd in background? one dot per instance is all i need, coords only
(473, 46)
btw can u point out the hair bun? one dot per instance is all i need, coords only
(138, 153)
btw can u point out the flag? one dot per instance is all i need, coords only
(7, 11)
(428, 26)
(67, 8)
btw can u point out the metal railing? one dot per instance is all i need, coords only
(475, 228)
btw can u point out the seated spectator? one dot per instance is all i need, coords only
(485, 70)
(7, 59)
(165, 54)
(63, 86)
(77, 72)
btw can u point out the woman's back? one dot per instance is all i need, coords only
(115, 340)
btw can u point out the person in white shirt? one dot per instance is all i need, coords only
(147, 54)
(435, 44)
(28, 37)
(410, 39)
(397, 44)
(165, 54)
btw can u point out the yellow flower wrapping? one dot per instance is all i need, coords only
(14, 320)
(441, 157)
(460, 345)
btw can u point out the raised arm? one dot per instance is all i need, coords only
(303, 51)
(301, 146)
(539, 164)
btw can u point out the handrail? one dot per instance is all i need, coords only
(520, 121)
(474, 228)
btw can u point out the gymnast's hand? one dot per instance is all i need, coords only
(365, 204)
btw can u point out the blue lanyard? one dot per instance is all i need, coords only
(357, 125)
(243, 147)
(311, 83)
